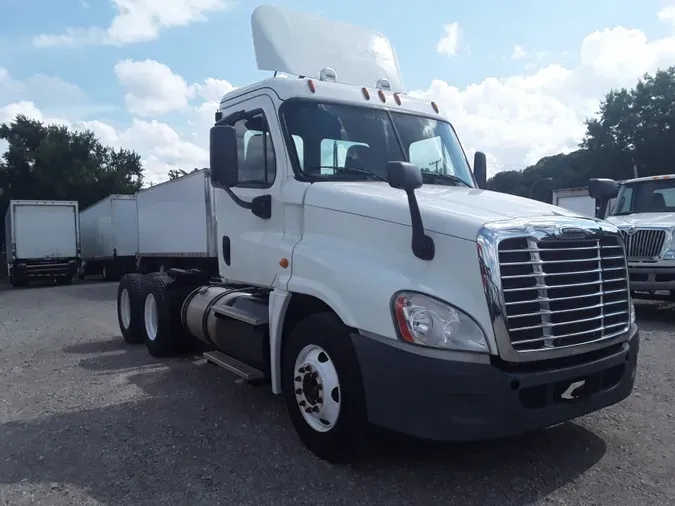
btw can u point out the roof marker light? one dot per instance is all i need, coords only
(435, 106)
(310, 84)
(366, 93)
(397, 98)
(380, 93)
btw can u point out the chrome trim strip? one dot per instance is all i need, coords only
(537, 229)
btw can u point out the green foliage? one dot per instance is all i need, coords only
(55, 163)
(633, 126)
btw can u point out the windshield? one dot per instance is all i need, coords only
(354, 143)
(653, 196)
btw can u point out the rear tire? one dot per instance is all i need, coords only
(160, 313)
(336, 428)
(64, 280)
(130, 306)
(17, 280)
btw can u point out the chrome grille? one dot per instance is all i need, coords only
(563, 293)
(644, 242)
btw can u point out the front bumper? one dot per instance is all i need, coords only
(652, 277)
(46, 268)
(422, 394)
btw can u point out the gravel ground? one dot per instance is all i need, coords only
(85, 419)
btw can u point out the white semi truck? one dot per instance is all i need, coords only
(42, 240)
(367, 276)
(644, 212)
(177, 225)
(109, 230)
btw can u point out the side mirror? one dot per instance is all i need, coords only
(480, 169)
(603, 189)
(223, 156)
(407, 176)
(404, 176)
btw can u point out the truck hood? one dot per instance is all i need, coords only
(449, 210)
(665, 220)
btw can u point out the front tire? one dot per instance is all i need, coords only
(323, 388)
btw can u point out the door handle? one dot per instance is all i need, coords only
(226, 250)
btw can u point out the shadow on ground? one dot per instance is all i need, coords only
(197, 435)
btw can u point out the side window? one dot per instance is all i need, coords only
(334, 153)
(255, 152)
(623, 204)
(430, 156)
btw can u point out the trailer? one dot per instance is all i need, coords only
(177, 226)
(575, 199)
(42, 240)
(379, 283)
(109, 231)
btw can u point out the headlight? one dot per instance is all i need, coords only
(423, 320)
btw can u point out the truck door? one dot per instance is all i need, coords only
(249, 248)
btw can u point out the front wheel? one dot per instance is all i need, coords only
(323, 388)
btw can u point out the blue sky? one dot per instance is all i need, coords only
(219, 46)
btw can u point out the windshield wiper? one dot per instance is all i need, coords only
(446, 177)
(351, 169)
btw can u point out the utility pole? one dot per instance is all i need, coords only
(435, 164)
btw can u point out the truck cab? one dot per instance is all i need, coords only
(644, 212)
(367, 276)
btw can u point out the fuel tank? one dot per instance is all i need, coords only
(233, 320)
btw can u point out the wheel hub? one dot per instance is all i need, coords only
(317, 388)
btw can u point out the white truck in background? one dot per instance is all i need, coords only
(367, 276)
(579, 200)
(575, 199)
(177, 225)
(109, 231)
(644, 212)
(42, 240)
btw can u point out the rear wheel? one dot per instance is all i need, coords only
(129, 307)
(17, 279)
(323, 388)
(64, 280)
(162, 328)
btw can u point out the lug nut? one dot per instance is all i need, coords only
(315, 409)
(302, 403)
(298, 378)
(308, 410)
(301, 370)
(298, 391)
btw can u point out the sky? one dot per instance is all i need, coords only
(516, 79)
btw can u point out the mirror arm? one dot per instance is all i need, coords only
(261, 206)
(422, 245)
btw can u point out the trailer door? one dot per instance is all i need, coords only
(45, 231)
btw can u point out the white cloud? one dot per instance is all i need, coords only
(152, 87)
(519, 52)
(136, 21)
(519, 119)
(449, 42)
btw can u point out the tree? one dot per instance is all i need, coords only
(53, 162)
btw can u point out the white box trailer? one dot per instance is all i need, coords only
(109, 230)
(42, 240)
(575, 199)
(177, 226)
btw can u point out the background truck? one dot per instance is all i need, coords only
(379, 283)
(176, 225)
(644, 212)
(42, 240)
(109, 230)
(575, 199)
